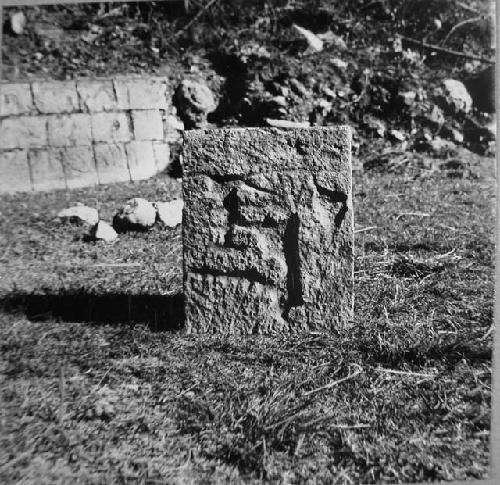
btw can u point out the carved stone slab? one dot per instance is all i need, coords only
(267, 230)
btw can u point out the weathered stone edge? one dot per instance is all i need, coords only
(195, 163)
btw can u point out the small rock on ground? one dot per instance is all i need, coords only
(454, 97)
(102, 231)
(79, 214)
(136, 214)
(170, 213)
(194, 101)
(313, 41)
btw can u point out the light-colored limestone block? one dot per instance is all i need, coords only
(173, 128)
(55, 97)
(142, 93)
(111, 162)
(162, 155)
(78, 165)
(15, 172)
(97, 96)
(111, 127)
(69, 130)
(23, 132)
(141, 159)
(46, 170)
(148, 124)
(15, 99)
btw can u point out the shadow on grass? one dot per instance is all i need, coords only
(160, 313)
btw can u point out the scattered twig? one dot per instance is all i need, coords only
(432, 47)
(116, 265)
(335, 383)
(103, 377)
(351, 426)
(193, 20)
(402, 372)
(300, 441)
(418, 214)
(338, 426)
(488, 333)
(457, 26)
(61, 394)
(467, 7)
(364, 229)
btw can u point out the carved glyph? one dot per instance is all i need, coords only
(267, 230)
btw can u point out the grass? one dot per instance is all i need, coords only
(97, 396)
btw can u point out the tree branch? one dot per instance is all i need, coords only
(441, 50)
(460, 24)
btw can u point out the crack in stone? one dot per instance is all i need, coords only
(222, 179)
(292, 259)
(232, 205)
(250, 274)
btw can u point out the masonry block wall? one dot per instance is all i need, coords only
(69, 134)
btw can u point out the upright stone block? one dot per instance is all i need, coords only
(268, 230)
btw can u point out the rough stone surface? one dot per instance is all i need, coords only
(268, 230)
(136, 214)
(79, 214)
(170, 213)
(194, 101)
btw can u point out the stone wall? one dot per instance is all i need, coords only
(68, 134)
